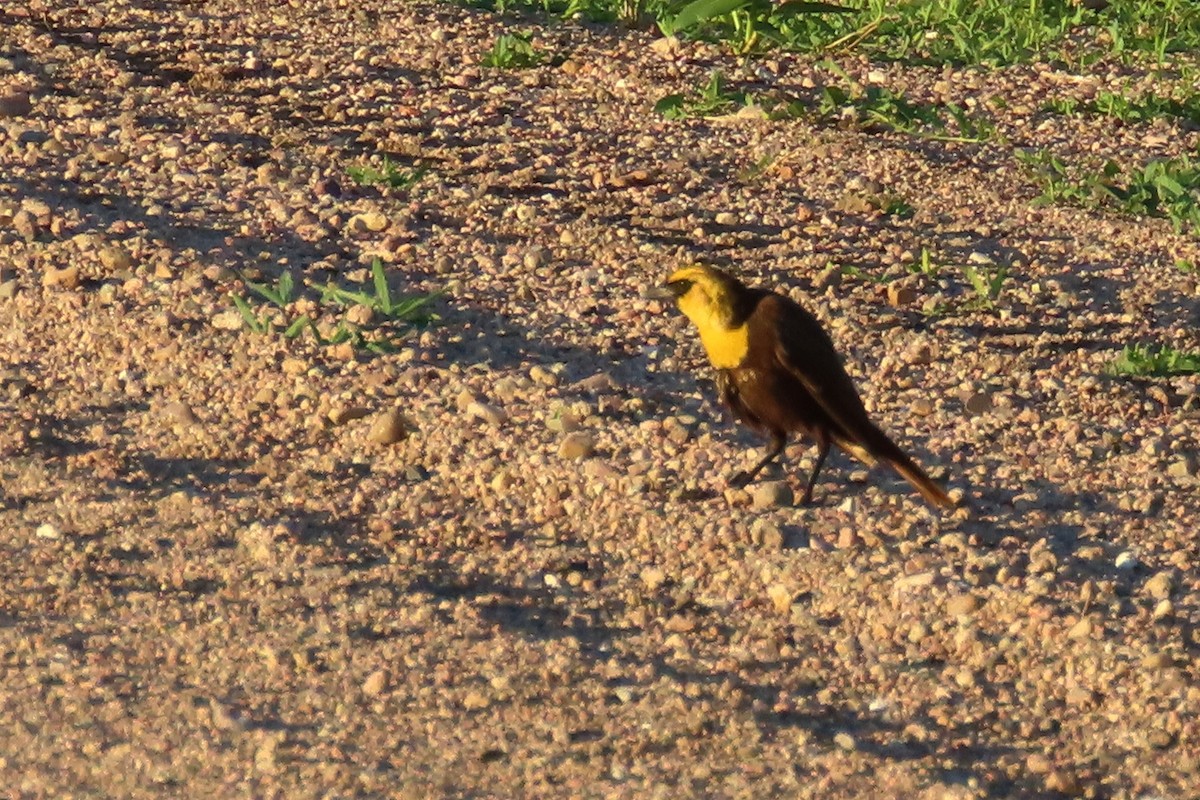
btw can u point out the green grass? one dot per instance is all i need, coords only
(711, 100)
(995, 32)
(984, 283)
(391, 318)
(1136, 360)
(987, 282)
(590, 10)
(278, 295)
(758, 168)
(893, 205)
(1119, 106)
(1166, 188)
(1161, 188)
(872, 108)
(1057, 185)
(747, 26)
(380, 299)
(388, 175)
(1002, 32)
(513, 51)
(926, 266)
(877, 107)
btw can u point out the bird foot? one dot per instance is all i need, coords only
(740, 480)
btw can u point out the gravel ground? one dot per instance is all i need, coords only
(504, 561)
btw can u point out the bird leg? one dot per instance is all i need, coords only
(822, 452)
(741, 479)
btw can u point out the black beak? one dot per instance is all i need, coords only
(672, 290)
(658, 293)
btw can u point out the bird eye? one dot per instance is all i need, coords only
(680, 287)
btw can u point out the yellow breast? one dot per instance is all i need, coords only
(725, 344)
(726, 347)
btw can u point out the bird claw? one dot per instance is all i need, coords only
(740, 480)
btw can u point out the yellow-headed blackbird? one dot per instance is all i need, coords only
(778, 372)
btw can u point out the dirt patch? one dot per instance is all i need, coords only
(502, 558)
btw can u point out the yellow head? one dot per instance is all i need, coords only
(709, 298)
(705, 295)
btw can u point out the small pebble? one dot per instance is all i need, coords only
(1080, 630)
(680, 623)
(475, 700)
(491, 414)
(47, 531)
(369, 222)
(344, 414)
(1182, 468)
(534, 258)
(575, 446)
(979, 403)
(653, 578)
(961, 605)
(848, 539)
(1163, 610)
(900, 296)
(1063, 781)
(67, 277)
(180, 413)
(375, 683)
(772, 494)
(389, 427)
(15, 104)
(1038, 763)
(766, 534)
(1126, 561)
(1160, 586)
(781, 597)
(1157, 661)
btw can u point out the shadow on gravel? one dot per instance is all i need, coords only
(953, 752)
(53, 436)
(1038, 544)
(156, 476)
(103, 207)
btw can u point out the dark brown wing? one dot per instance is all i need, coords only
(804, 349)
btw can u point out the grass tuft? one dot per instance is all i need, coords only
(711, 100)
(880, 108)
(1166, 188)
(375, 321)
(513, 51)
(389, 175)
(989, 32)
(1136, 360)
(1128, 110)
(987, 282)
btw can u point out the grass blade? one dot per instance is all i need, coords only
(284, 292)
(253, 322)
(383, 295)
(799, 7)
(297, 327)
(700, 11)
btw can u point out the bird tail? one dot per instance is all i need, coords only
(920, 481)
(855, 449)
(880, 447)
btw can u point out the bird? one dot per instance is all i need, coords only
(777, 370)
